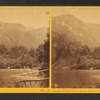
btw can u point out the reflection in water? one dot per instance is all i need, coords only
(21, 78)
(76, 79)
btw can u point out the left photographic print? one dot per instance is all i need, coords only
(24, 47)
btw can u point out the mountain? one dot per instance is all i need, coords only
(17, 34)
(76, 30)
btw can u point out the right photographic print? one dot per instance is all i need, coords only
(75, 47)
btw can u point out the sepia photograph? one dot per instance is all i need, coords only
(24, 47)
(76, 48)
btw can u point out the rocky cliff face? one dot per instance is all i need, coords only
(17, 34)
(76, 30)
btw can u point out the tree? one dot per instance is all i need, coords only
(43, 52)
(86, 50)
(47, 49)
(17, 51)
(97, 53)
(40, 53)
(3, 49)
(32, 52)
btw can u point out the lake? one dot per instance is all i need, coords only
(9, 77)
(65, 78)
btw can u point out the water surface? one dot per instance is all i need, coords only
(65, 78)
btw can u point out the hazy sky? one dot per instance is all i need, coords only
(31, 17)
(90, 15)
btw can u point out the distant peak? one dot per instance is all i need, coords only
(67, 17)
(70, 16)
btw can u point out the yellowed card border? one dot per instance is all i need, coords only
(50, 90)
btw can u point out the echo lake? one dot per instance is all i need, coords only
(75, 78)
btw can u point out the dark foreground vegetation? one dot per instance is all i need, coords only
(24, 67)
(70, 54)
(19, 57)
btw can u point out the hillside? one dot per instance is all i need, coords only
(75, 43)
(16, 34)
(77, 30)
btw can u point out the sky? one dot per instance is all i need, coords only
(30, 17)
(89, 15)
